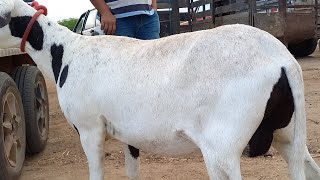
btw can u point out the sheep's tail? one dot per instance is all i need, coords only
(278, 114)
(311, 169)
(295, 78)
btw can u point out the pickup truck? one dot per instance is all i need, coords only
(24, 111)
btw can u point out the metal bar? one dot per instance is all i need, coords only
(250, 12)
(253, 10)
(213, 15)
(317, 17)
(190, 12)
(288, 6)
(175, 17)
(282, 7)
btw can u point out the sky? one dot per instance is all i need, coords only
(64, 9)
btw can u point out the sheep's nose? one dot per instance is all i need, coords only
(5, 20)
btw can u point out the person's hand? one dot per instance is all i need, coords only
(108, 23)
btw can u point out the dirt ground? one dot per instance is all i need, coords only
(64, 159)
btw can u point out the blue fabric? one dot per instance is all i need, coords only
(139, 26)
(126, 8)
(118, 16)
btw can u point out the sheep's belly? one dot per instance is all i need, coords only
(171, 144)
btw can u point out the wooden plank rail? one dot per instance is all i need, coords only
(165, 16)
(166, 4)
(179, 16)
(201, 14)
(232, 8)
(201, 3)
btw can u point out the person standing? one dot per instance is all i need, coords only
(132, 18)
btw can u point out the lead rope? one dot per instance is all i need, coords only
(40, 10)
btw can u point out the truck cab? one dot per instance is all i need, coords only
(24, 111)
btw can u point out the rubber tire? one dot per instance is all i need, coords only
(7, 172)
(26, 78)
(305, 48)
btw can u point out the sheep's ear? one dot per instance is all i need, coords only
(6, 7)
(5, 19)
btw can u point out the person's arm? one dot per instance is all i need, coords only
(154, 5)
(108, 20)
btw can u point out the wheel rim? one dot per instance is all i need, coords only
(41, 108)
(11, 124)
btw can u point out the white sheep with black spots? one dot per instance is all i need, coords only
(214, 90)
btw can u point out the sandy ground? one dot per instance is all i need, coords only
(64, 159)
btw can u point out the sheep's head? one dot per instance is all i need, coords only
(6, 6)
(14, 18)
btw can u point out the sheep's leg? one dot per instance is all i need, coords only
(294, 160)
(301, 164)
(131, 161)
(92, 140)
(221, 147)
(311, 170)
(222, 165)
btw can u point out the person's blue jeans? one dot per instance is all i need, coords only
(139, 26)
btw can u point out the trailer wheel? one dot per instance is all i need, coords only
(304, 48)
(33, 90)
(12, 129)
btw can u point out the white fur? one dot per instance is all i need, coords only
(171, 96)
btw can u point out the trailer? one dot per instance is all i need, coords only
(295, 23)
(24, 111)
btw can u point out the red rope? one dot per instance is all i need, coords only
(40, 10)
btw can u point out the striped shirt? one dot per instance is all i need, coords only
(126, 8)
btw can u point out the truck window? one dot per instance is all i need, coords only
(91, 21)
(79, 26)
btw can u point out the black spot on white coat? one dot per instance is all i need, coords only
(278, 113)
(19, 24)
(57, 55)
(5, 20)
(63, 76)
(134, 151)
(76, 129)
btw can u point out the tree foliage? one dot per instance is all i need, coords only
(69, 23)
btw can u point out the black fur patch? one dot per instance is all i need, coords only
(63, 76)
(278, 113)
(49, 24)
(134, 151)
(57, 55)
(19, 24)
(76, 129)
(5, 20)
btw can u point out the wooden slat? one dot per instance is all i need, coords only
(232, 8)
(184, 28)
(199, 22)
(200, 3)
(201, 14)
(165, 16)
(239, 18)
(202, 25)
(10, 52)
(166, 4)
(264, 3)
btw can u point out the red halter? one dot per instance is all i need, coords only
(40, 10)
